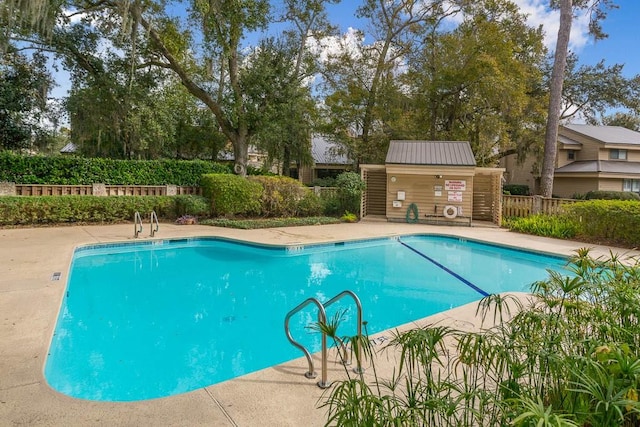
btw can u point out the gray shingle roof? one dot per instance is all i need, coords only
(568, 141)
(440, 153)
(325, 152)
(608, 134)
(606, 166)
(69, 148)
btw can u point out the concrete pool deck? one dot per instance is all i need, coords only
(276, 396)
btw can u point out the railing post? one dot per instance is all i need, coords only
(537, 205)
(99, 190)
(7, 188)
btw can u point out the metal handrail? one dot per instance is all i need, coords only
(137, 224)
(154, 219)
(322, 318)
(358, 369)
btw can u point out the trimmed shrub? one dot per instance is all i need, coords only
(349, 192)
(616, 221)
(281, 196)
(310, 205)
(557, 226)
(85, 171)
(611, 195)
(516, 189)
(71, 209)
(232, 194)
(191, 205)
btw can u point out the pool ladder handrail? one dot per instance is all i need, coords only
(322, 317)
(358, 369)
(154, 220)
(137, 224)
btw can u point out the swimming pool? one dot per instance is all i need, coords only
(158, 318)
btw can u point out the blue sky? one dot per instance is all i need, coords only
(623, 44)
(622, 24)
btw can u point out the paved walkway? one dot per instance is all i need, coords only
(277, 396)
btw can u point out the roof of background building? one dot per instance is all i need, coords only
(607, 166)
(327, 152)
(440, 153)
(69, 148)
(607, 134)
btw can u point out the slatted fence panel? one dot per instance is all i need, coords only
(375, 193)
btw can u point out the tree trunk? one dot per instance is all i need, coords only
(241, 152)
(555, 99)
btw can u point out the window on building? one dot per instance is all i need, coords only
(631, 185)
(618, 154)
(571, 155)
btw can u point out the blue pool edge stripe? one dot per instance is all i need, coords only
(451, 272)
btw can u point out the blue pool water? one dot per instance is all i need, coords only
(154, 319)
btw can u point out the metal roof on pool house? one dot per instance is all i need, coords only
(430, 153)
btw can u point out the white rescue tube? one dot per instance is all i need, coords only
(450, 212)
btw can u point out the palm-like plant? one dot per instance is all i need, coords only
(569, 356)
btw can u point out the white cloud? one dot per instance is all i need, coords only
(334, 45)
(538, 13)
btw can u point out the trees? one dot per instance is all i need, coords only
(361, 79)
(414, 74)
(478, 80)
(287, 63)
(591, 90)
(215, 79)
(481, 82)
(627, 120)
(205, 53)
(24, 85)
(597, 8)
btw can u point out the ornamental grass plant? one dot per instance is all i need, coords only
(569, 355)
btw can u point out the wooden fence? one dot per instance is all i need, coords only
(9, 189)
(523, 206)
(325, 192)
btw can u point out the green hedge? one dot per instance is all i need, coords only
(72, 209)
(516, 189)
(84, 171)
(615, 221)
(232, 194)
(611, 195)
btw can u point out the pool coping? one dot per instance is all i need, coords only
(30, 298)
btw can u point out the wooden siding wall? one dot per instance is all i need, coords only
(633, 155)
(305, 174)
(567, 187)
(610, 184)
(420, 189)
(374, 200)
